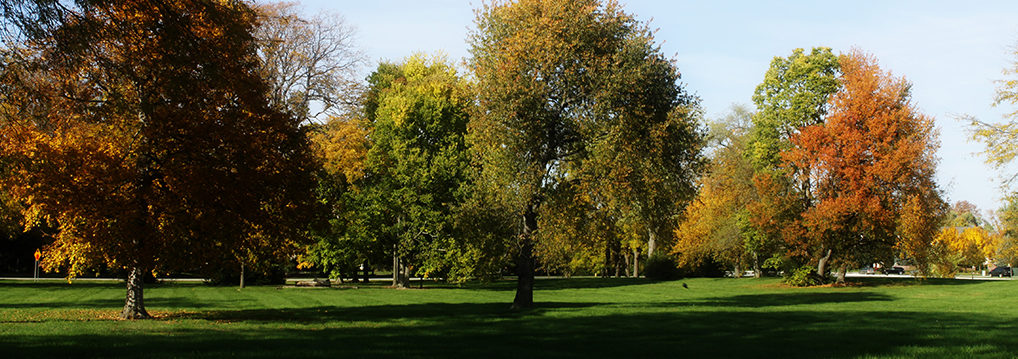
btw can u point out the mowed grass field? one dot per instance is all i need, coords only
(575, 318)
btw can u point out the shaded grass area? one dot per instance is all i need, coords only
(880, 318)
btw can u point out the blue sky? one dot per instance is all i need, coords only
(951, 51)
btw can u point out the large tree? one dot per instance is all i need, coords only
(416, 115)
(341, 246)
(309, 62)
(575, 93)
(795, 93)
(148, 140)
(716, 224)
(874, 156)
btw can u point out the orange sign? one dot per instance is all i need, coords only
(37, 254)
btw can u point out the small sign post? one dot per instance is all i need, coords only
(37, 256)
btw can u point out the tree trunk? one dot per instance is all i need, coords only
(525, 262)
(613, 246)
(627, 267)
(822, 265)
(841, 273)
(651, 242)
(134, 305)
(395, 268)
(608, 258)
(737, 272)
(242, 276)
(399, 272)
(757, 273)
(636, 263)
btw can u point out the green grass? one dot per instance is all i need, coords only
(575, 318)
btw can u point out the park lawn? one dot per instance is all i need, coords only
(574, 318)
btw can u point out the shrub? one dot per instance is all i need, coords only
(705, 268)
(804, 276)
(661, 267)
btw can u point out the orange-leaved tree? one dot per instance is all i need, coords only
(871, 159)
(147, 139)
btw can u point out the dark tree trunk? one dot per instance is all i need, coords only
(134, 306)
(627, 265)
(525, 262)
(608, 258)
(616, 261)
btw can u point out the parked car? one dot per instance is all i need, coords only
(894, 270)
(867, 270)
(1001, 271)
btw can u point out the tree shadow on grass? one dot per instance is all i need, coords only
(118, 302)
(786, 299)
(478, 330)
(379, 313)
(880, 281)
(509, 284)
(61, 286)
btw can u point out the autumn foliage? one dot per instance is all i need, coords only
(156, 149)
(871, 165)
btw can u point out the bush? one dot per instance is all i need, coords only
(661, 267)
(804, 276)
(704, 268)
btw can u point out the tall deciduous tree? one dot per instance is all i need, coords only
(717, 223)
(795, 93)
(157, 149)
(576, 91)
(416, 115)
(310, 63)
(873, 155)
(341, 246)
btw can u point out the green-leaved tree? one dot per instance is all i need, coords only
(576, 93)
(416, 115)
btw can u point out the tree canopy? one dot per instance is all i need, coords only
(310, 63)
(873, 155)
(1000, 139)
(143, 132)
(575, 93)
(716, 224)
(406, 171)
